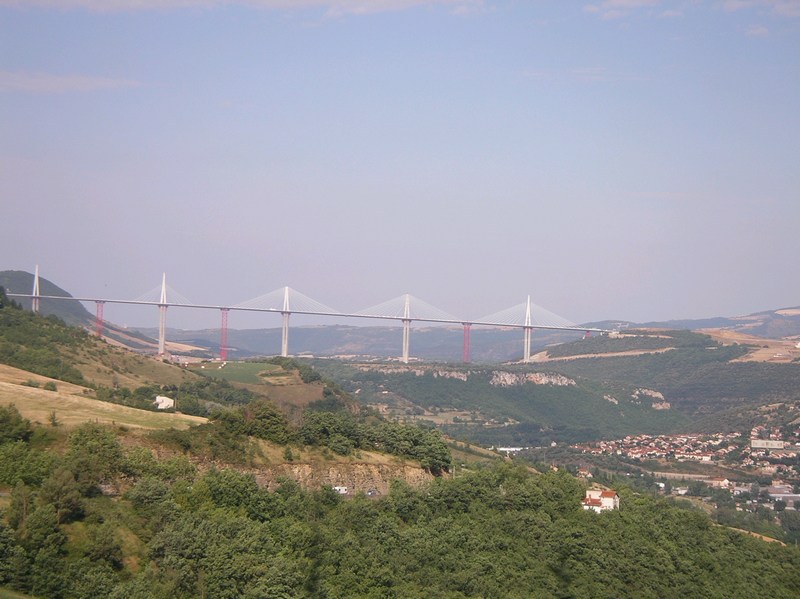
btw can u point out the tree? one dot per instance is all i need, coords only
(62, 491)
(232, 489)
(20, 463)
(21, 506)
(94, 454)
(48, 573)
(340, 444)
(265, 421)
(148, 492)
(104, 546)
(790, 522)
(13, 427)
(7, 548)
(89, 579)
(41, 526)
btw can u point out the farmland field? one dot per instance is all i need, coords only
(249, 373)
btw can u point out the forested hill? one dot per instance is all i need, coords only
(653, 382)
(70, 311)
(699, 377)
(107, 520)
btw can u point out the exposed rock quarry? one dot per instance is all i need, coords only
(356, 477)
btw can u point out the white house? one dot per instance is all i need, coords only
(163, 402)
(601, 501)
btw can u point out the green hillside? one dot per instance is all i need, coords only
(103, 519)
(632, 340)
(508, 405)
(690, 382)
(699, 378)
(47, 347)
(70, 311)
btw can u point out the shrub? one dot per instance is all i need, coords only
(94, 455)
(13, 427)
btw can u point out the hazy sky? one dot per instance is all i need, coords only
(631, 159)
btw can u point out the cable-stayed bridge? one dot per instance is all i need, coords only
(286, 301)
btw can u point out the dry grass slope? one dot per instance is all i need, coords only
(104, 364)
(72, 407)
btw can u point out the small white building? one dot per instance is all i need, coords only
(163, 402)
(509, 450)
(599, 500)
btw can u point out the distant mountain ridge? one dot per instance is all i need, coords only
(770, 324)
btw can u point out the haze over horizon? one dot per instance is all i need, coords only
(617, 159)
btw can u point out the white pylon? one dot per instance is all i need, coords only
(285, 334)
(526, 350)
(162, 320)
(406, 327)
(35, 294)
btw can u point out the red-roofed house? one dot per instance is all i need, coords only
(601, 501)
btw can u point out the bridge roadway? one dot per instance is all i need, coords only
(406, 320)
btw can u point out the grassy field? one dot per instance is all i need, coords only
(249, 373)
(71, 410)
(285, 389)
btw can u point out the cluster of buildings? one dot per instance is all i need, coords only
(769, 453)
(701, 448)
(764, 452)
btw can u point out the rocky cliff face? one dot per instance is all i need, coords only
(416, 371)
(357, 477)
(510, 379)
(656, 398)
(498, 378)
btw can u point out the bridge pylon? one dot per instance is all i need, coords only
(466, 349)
(406, 328)
(162, 317)
(98, 318)
(35, 295)
(223, 334)
(528, 332)
(285, 312)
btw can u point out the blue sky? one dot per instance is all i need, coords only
(631, 159)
